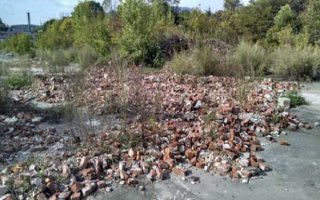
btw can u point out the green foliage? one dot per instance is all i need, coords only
(184, 63)
(282, 33)
(58, 57)
(200, 61)
(251, 60)
(21, 44)
(56, 34)
(137, 30)
(295, 98)
(209, 62)
(197, 23)
(90, 27)
(296, 62)
(143, 27)
(312, 21)
(87, 56)
(284, 17)
(232, 4)
(18, 81)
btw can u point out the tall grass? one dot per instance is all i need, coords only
(198, 61)
(250, 60)
(296, 62)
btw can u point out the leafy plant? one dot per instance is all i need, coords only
(21, 44)
(296, 99)
(18, 81)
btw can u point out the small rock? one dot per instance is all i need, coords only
(12, 120)
(284, 102)
(122, 182)
(65, 171)
(101, 184)
(263, 166)
(36, 120)
(284, 142)
(189, 116)
(75, 187)
(109, 189)
(245, 181)
(87, 190)
(6, 197)
(132, 153)
(198, 105)
(141, 188)
(3, 190)
(179, 171)
(317, 124)
(194, 179)
(64, 195)
(244, 162)
(75, 196)
(84, 162)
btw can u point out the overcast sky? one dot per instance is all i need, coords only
(15, 11)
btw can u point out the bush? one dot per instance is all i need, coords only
(87, 56)
(21, 44)
(296, 62)
(54, 57)
(200, 61)
(250, 60)
(185, 63)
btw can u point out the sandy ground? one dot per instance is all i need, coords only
(295, 174)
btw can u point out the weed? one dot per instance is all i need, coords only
(295, 99)
(62, 112)
(18, 81)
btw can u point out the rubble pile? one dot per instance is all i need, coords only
(49, 89)
(190, 122)
(20, 134)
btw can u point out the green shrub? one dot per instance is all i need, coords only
(87, 56)
(18, 81)
(21, 44)
(209, 62)
(185, 63)
(295, 62)
(250, 60)
(295, 99)
(54, 57)
(200, 61)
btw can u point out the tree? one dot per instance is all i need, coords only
(136, 33)
(258, 17)
(232, 4)
(284, 17)
(90, 27)
(312, 21)
(3, 26)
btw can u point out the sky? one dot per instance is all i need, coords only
(15, 11)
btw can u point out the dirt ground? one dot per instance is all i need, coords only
(295, 174)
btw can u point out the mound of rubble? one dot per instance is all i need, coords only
(175, 123)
